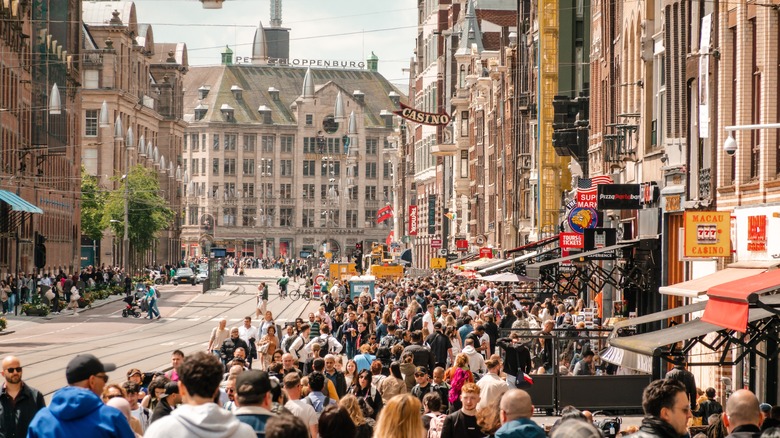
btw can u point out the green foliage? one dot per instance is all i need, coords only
(148, 212)
(93, 202)
(39, 309)
(3, 324)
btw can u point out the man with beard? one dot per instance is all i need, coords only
(18, 402)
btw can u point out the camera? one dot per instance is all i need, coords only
(730, 145)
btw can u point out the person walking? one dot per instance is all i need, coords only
(262, 300)
(151, 298)
(19, 402)
(516, 411)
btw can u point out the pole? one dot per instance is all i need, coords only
(126, 237)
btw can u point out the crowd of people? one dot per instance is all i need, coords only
(427, 357)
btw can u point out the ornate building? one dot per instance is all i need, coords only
(138, 83)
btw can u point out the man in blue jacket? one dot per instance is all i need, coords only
(77, 409)
(516, 412)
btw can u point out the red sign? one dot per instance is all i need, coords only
(462, 245)
(485, 253)
(571, 240)
(412, 220)
(435, 243)
(587, 200)
(756, 233)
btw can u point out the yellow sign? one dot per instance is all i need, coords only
(328, 255)
(392, 272)
(707, 234)
(438, 263)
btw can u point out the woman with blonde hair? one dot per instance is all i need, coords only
(267, 346)
(365, 426)
(400, 418)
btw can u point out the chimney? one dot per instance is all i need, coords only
(359, 96)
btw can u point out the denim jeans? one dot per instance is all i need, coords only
(153, 310)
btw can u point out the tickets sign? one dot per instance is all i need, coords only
(412, 220)
(707, 234)
(571, 241)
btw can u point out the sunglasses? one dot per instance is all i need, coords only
(109, 397)
(14, 370)
(419, 374)
(364, 377)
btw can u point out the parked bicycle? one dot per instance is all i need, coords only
(302, 292)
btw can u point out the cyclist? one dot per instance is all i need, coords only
(282, 282)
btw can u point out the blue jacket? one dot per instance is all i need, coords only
(520, 428)
(76, 412)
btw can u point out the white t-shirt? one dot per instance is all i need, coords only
(248, 333)
(302, 410)
(428, 322)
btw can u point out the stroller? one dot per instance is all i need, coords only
(131, 307)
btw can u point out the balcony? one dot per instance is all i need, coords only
(286, 201)
(372, 203)
(444, 150)
(92, 60)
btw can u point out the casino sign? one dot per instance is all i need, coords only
(413, 115)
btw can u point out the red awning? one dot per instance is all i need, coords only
(729, 303)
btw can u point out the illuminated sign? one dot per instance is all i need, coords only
(707, 234)
(756, 233)
(418, 116)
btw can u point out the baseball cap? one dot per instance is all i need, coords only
(765, 407)
(83, 366)
(252, 385)
(133, 372)
(171, 388)
(421, 370)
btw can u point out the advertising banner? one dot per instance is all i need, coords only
(618, 197)
(707, 234)
(412, 220)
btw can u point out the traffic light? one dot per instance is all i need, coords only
(40, 251)
(359, 246)
(564, 135)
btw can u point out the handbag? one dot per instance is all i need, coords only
(263, 348)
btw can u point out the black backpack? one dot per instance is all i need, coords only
(417, 322)
(288, 343)
(324, 345)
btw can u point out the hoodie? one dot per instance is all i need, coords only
(201, 421)
(74, 410)
(476, 361)
(520, 428)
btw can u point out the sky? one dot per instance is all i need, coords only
(344, 30)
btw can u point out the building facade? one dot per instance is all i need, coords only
(285, 161)
(139, 83)
(39, 123)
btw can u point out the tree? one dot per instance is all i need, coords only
(93, 202)
(148, 212)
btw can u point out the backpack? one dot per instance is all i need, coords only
(156, 293)
(436, 425)
(324, 345)
(417, 322)
(288, 343)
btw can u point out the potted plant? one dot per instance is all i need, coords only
(35, 309)
(3, 324)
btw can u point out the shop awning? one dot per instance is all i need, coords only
(466, 257)
(653, 343)
(534, 245)
(627, 359)
(17, 203)
(700, 286)
(508, 263)
(660, 316)
(533, 270)
(480, 263)
(729, 303)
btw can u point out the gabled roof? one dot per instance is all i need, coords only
(255, 80)
(99, 13)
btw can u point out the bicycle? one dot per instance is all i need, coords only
(300, 292)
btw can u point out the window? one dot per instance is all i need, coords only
(91, 79)
(230, 166)
(285, 167)
(387, 193)
(328, 192)
(464, 123)
(371, 146)
(309, 145)
(285, 217)
(334, 146)
(370, 218)
(249, 142)
(229, 216)
(331, 169)
(370, 170)
(285, 191)
(248, 190)
(352, 193)
(214, 191)
(195, 170)
(230, 142)
(184, 145)
(267, 190)
(387, 170)
(215, 141)
(203, 141)
(370, 193)
(464, 164)
(267, 143)
(192, 216)
(352, 219)
(184, 164)
(307, 218)
(308, 191)
(309, 168)
(248, 216)
(287, 142)
(215, 166)
(203, 166)
(91, 123)
(266, 167)
(309, 119)
(249, 166)
(330, 218)
(195, 144)
(230, 191)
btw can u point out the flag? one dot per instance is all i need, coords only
(389, 239)
(451, 216)
(589, 185)
(384, 214)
